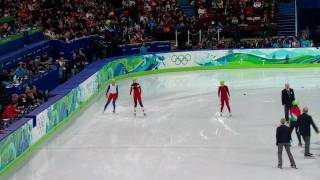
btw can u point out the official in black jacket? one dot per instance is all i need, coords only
(304, 123)
(283, 136)
(287, 96)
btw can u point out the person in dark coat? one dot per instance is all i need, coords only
(304, 123)
(283, 136)
(287, 97)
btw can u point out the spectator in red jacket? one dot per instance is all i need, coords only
(10, 111)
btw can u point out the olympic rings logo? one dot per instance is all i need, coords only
(181, 59)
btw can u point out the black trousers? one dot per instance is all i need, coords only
(286, 111)
(294, 125)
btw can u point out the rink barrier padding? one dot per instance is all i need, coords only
(75, 94)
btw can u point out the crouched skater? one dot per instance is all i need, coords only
(283, 136)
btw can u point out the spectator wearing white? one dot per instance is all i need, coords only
(202, 12)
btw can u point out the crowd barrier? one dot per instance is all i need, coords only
(75, 93)
(10, 60)
(67, 48)
(156, 46)
(7, 19)
(11, 43)
(19, 40)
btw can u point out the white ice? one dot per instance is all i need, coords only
(182, 138)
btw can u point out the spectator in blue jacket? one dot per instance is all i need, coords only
(21, 71)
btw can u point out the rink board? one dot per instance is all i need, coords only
(73, 95)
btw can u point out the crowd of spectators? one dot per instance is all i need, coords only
(136, 21)
(14, 108)
(25, 70)
(20, 104)
(128, 20)
(246, 13)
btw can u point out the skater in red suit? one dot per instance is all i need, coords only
(136, 88)
(224, 96)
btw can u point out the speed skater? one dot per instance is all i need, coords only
(294, 113)
(112, 95)
(224, 95)
(136, 88)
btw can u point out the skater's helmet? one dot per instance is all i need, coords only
(134, 79)
(222, 82)
(112, 80)
(295, 102)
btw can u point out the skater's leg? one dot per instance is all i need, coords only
(228, 105)
(287, 147)
(286, 111)
(114, 99)
(306, 145)
(108, 101)
(298, 134)
(106, 105)
(222, 105)
(135, 104)
(291, 126)
(140, 101)
(135, 100)
(114, 105)
(280, 148)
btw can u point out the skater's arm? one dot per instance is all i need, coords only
(131, 90)
(282, 98)
(219, 91)
(108, 90)
(314, 126)
(117, 89)
(277, 136)
(228, 91)
(293, 94)
(140, 91)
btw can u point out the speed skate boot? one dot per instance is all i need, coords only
(144, 113)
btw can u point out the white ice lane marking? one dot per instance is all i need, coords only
(222, 120)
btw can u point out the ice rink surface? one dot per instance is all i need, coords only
(182, 138)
